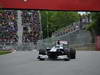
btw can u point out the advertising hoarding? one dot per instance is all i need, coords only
(98, 42)
(90, 5)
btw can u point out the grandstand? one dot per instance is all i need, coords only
(11, 22)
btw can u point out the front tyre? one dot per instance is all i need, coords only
(67, 59)
(42, 52)
(72, 53)
(42, 59)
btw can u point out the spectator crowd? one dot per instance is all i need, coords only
(8, 27)
(31, 26)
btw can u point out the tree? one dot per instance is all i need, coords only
(44, 23)
(54, 20)
(94, 27)
(96, 20)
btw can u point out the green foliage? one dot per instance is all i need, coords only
(1, 10)
(96, 22)
(54, 20)
(44, 23)
(2, 52)
(90, 26)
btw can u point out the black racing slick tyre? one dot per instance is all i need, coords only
(67, 52)
(42, 59)
(67, 59)
(72, 53)
(42, 51)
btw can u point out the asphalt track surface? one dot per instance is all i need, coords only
(25, 63)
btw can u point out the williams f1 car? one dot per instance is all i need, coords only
(59, 51)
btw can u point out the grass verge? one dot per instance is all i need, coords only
(4, 52)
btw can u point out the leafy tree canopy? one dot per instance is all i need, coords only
(54, 20)
(95, 25)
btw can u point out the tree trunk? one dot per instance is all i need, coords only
(93, 35)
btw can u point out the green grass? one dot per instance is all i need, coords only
(4, 52)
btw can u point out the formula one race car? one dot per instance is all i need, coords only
(59, 51)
